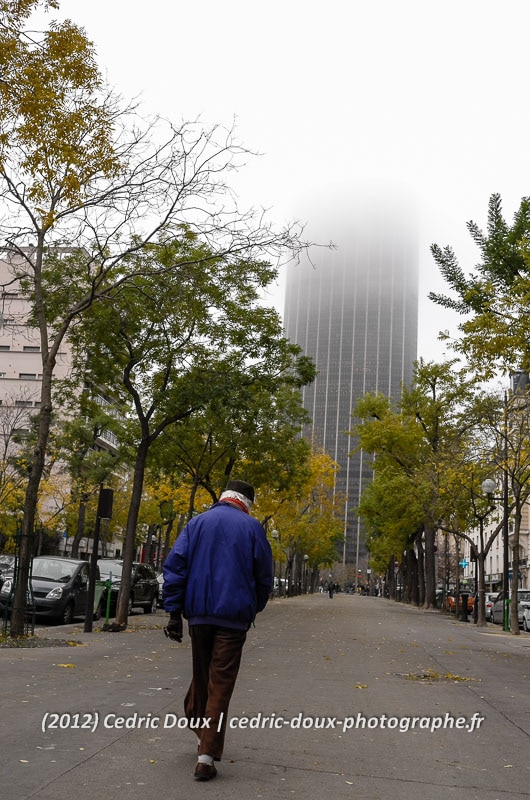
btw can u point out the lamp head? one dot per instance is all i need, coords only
(488, 486)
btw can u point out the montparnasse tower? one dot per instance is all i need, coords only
(354, 310)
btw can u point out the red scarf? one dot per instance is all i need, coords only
(235, 502)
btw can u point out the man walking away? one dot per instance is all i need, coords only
(218, 575)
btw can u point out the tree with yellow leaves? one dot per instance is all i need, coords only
(305, 521)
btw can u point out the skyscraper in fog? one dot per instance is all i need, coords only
(355, 312)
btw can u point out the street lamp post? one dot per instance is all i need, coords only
(167, 513)
(158, 542)
(505, 528)
(476, 589)
(488, 487)
(506, 556)
(462, 596)
(104, 511)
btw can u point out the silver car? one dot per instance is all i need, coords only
(523, 601)
(489, 599)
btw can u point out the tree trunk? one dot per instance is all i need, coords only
(514, 618)
(412, 578)
(297, 573)
(421, 569)
(407, 578)
(27, 543)
(457, 577)
(430, 567)
(191, 504)
(122, 612)
(391, 578)
(481, 599)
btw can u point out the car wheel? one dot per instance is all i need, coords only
(68, 614)
(151, 609)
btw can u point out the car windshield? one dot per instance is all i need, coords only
(48, 569)
(106, 568)
(523, 596)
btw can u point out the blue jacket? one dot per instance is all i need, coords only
(219, 570)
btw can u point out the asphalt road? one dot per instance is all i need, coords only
(354, 697)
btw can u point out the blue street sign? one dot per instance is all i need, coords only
(464, 563)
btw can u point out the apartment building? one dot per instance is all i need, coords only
(494, 564)
(21, 381)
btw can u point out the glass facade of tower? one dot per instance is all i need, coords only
(355, 312)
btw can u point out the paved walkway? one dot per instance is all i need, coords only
(354, 697)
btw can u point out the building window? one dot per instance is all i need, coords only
(22, 432)
(5, 347)
(23, 403)
(30, 348)
(27, 376)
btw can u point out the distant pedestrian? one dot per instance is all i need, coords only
(218, 575)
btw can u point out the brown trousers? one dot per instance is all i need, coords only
(216, 654)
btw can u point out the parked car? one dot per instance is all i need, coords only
(59, 588)
(7, 564)
(489, 599)
(523, 600)
(526, 618)
(145, 589)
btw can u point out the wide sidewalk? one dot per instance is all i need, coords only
(354, 697)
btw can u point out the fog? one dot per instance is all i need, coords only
(431, 98)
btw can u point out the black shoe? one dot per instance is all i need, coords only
(204, 772)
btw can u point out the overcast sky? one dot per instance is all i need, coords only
(431, 97)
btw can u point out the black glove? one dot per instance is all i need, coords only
(173, 629)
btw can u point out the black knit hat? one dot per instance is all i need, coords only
(241, 487)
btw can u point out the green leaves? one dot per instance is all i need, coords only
(495, 299)
(184, 338)
(419, 464)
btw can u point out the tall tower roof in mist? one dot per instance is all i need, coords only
(354, 310)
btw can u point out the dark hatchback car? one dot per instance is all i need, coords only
(59, 587)
(145, 588)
